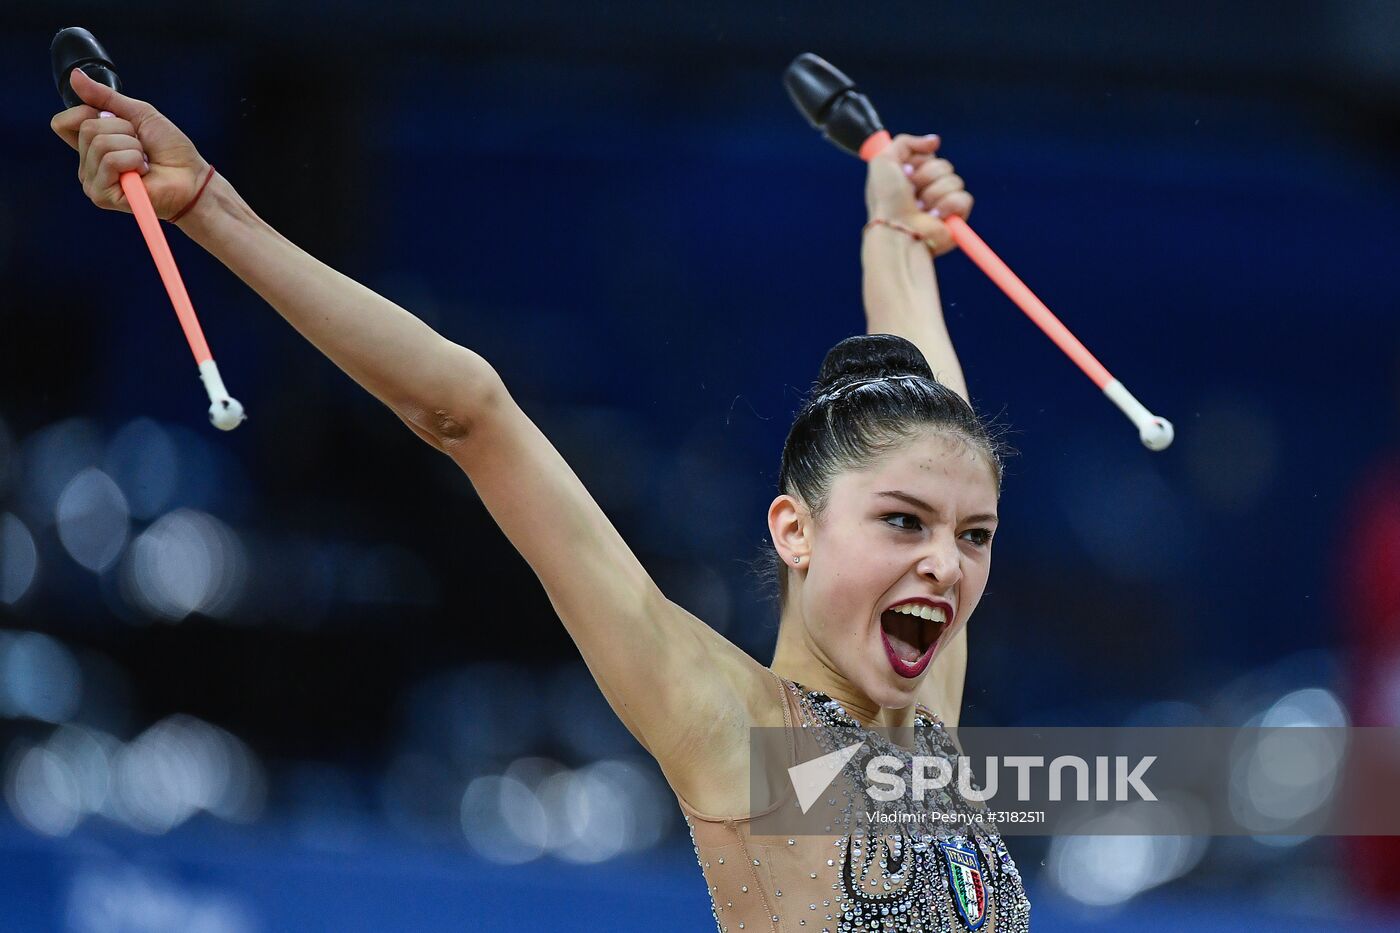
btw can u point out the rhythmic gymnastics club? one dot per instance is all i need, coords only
(831, 103)
(75, 47)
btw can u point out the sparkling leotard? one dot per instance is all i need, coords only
(891, 881)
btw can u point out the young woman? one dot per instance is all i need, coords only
(882, 529)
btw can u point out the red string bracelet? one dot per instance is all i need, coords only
(186, 209)
(882, 222)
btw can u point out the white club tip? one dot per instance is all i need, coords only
(1157, 434)
(226, 414)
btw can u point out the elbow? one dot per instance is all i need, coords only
(448, 426)
(470, 392)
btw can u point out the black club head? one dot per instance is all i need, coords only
(75, 47)
(831, 102)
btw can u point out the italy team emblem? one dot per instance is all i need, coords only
(965, 881)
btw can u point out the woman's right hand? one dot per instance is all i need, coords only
(138, 138)
(909, 184)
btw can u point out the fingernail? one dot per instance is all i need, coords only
(908, 169)
(920, 203)
(935, 213)
(931, 136)
(147, 163)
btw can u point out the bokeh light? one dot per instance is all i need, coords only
(93, 520)
(88, 755)
(43, 792)
(182, 765)
(115, 898)
(50, 458)
(503, 820)
(185, 562)
(586, 815)
(19, 559)
(1112, 858)
(1286, 768)
(39, 678)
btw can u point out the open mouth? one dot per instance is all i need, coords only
(911, 631)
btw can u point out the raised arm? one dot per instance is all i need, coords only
(388, 351)
(899, 284)
(681, 689)
(901, 297)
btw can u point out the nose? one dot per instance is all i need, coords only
(941, 562)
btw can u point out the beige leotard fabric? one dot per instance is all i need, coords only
(887, 881)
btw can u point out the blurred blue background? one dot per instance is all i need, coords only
(293, 677)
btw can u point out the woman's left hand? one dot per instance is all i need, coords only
(910, 185)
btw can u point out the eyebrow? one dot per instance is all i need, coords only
(921, 504)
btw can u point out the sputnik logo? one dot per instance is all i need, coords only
(811, 778)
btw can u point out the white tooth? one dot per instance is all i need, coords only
(918, 610)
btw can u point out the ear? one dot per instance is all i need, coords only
(788, 523)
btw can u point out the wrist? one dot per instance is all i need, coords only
(217, 200)
(201, 181)
(893, 225)
(891, 235)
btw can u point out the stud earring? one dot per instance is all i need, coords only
(797, 560)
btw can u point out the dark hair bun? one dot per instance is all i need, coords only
(870, 356)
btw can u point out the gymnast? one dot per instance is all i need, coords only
(881, 529)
